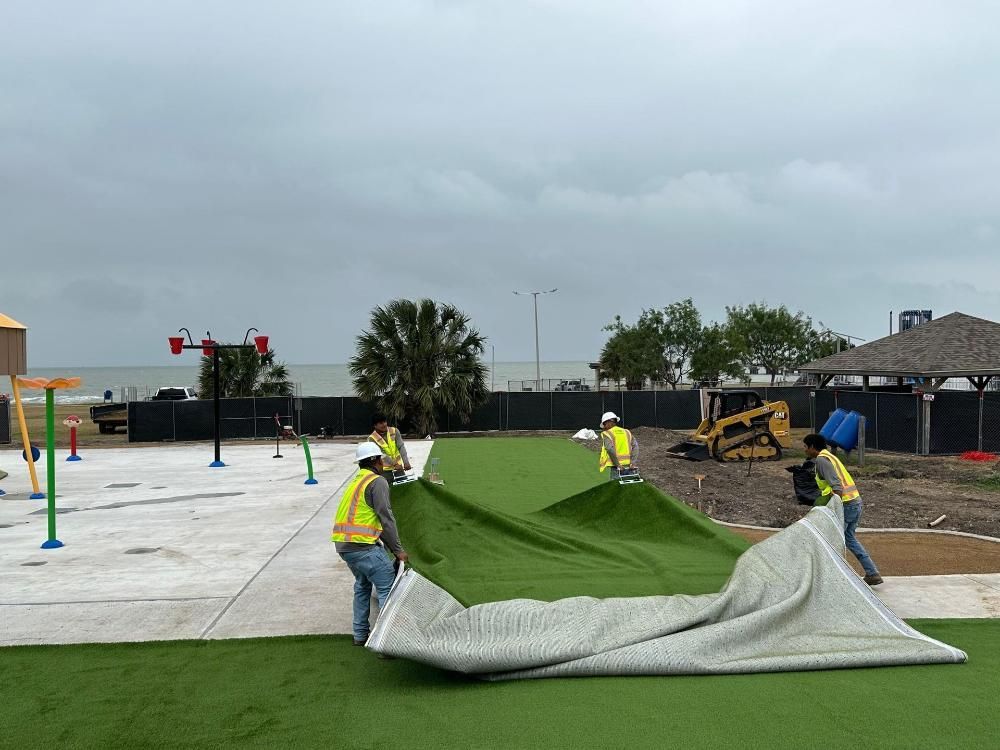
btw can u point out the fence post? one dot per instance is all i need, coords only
(980, 448)
(550, 409)
(861, 441)
(925, 447)
(876, 421)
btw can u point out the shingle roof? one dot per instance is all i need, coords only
(956, 345)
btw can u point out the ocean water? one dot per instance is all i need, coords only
(312, 380)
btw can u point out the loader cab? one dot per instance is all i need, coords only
(724, 404)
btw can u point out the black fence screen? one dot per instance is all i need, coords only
(892, 420)
(4, 421)
(153, 421)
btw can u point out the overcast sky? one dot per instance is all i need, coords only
(291, 165)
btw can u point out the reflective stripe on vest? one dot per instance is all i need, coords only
(390, 452)
(356, 521)
(623, 447)
(849, 491)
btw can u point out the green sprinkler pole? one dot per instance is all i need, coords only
(309, 462)
(50, 466)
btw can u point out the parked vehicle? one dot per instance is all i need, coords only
(572, 385)
(174, 393)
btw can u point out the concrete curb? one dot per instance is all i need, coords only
(872, 531)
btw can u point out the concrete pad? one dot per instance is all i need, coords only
(169, 555)
(107, 622)
(942, 596)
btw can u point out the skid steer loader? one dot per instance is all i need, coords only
(739, 425)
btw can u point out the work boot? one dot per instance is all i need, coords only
(360, 643)
(874, 579)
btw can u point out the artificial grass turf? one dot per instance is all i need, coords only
(320, 691)
(517, 475)
(323, 692)
(608, 541)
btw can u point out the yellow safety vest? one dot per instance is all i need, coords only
(850, 491)
(623, 447)
(391, 459)
(356, 521)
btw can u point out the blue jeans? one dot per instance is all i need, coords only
(370, 567)
(852, 515)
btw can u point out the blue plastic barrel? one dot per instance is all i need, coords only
(846, 435)
(833, 423)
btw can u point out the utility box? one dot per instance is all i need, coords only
(13, 347)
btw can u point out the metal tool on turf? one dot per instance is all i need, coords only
(629, 476)
(399, 476)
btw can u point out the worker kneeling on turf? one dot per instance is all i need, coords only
(363, 524)
(619, 448)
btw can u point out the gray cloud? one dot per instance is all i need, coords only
(232, 165)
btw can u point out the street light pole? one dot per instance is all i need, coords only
(538, 364)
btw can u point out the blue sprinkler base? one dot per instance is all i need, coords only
(2, 493)
(36, 496)
(73, 458)
(52, 544)
(216, 464)
(312, 481)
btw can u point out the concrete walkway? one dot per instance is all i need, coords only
(160, 546)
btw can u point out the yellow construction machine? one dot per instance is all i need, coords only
(740, 425)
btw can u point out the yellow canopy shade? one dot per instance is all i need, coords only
(6, 322)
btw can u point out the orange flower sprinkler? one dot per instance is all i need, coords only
(50, 387)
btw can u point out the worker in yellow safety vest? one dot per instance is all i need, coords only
(390, 440)
(619, 448)
(362, 529)
(833, 478)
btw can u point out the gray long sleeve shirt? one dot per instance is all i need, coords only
(377, 498)
(609, 446)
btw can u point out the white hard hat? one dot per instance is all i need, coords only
(366, 450)
(609, 415)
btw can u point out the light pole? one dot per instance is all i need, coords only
(538, 366)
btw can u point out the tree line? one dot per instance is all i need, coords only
(422, 358)
(672, 344)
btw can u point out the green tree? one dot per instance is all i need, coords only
(419, 357)
(632, 353)
(678, 330)
(717, 355)
(244, 373)
(774, 338)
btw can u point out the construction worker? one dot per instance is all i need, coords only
(833, 478)
(362, 529)
(390, 440)
(619, 449)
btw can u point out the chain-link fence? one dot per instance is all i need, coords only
(942, 423)
(153, 421)
(893, 421)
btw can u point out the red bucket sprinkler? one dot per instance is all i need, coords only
(207, 344)
(176, 344)
(72, 422)
(261, 344)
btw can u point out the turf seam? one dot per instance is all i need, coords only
(277, 552)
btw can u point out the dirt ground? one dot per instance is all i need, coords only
(905, 492)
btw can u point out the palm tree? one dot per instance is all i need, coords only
(419, 358)
(244, 373)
